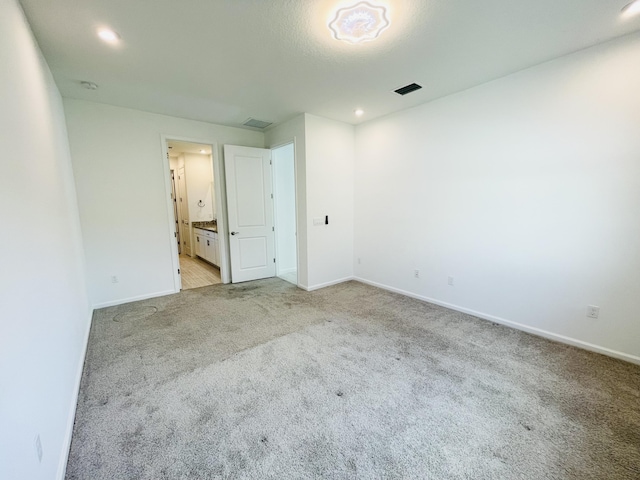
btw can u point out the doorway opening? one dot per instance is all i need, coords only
(193, 184)
(284, 206)
(261, 212)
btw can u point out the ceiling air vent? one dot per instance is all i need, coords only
(408, 89)
(252, 122)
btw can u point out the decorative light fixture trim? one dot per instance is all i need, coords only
(361, 22)
(631, 9)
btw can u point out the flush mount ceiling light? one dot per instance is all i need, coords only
(108, 35)
(631, 9)
(360, 23)
(359, 112)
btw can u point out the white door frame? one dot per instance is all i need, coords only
(220, 214)
(295, 181)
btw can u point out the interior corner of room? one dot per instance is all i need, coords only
(505, 189)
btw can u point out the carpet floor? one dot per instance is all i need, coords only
(265, 381)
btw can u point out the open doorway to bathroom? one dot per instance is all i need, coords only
(195, 213)
(284, 205)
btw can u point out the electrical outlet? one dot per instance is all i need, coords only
(416, 273)
(39, 448)
(114, 279)
(593, 311)
(450, 280)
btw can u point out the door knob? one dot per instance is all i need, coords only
(235, 233)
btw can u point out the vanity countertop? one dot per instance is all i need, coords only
(209, 226)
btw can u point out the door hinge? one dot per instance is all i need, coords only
(274, 260)
(272, 195)
(175, 234)
(273, 229)
(270, 161)
(178, 271)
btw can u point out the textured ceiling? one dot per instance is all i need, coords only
(223, 61)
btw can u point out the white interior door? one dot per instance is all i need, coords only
(250, 211)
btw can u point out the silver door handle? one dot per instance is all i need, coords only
(235, 233)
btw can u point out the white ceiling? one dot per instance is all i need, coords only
(223, 61)
(176, 148)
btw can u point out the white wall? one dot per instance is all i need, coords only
(121, 195)
(45, 313)
(526, 190)
(284, 206)
(330, 163)
(173, 164)
(294, 131)
(199, 177)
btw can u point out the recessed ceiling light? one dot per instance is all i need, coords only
(359, 23)
(631, 9)
(89, 85)
(108, 35)
(359, 112)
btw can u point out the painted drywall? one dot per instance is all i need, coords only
(284, 206)
(324, 159)
(199, 173)
(330, 163)
(45, 312)
(294, 131)
(526, 190)
(121, 194)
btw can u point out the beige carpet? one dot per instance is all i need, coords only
(263, 380)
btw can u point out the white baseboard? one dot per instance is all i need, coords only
(518, 326)
(64, 457)
(326, 284)
(133, 299)
(285, 271)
